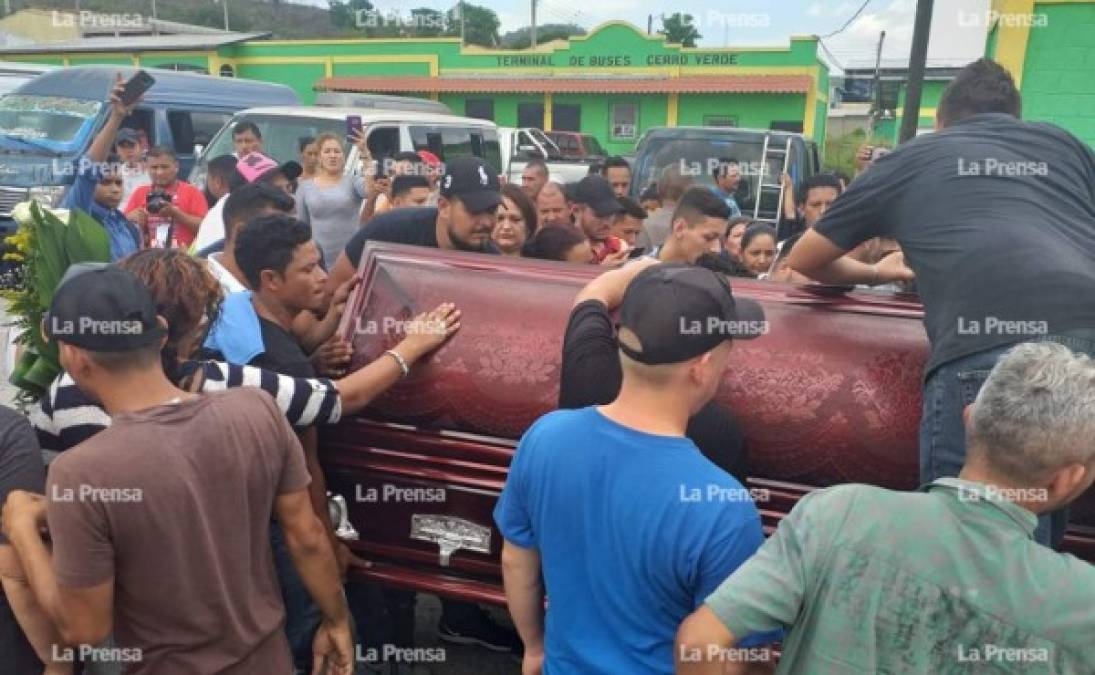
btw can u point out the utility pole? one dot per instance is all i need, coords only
(461, 6)
(225, 3)
(910, 115)
(876, 103)
(532, 34)
(153, 9)
(649, 24)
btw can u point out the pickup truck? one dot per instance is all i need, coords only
(831, 394)
(762, 156)
(520, 145)
(575, 145)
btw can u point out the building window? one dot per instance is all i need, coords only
(625, 120)
(530, 115)
(720, 121)
(479, 108)
(787, 125)
(566, 117)
(227, 71)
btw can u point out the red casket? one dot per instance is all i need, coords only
(831, 394)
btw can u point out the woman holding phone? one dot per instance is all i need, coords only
(331, 201)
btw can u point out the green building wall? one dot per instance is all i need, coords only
(1058, 83)
(611, 50)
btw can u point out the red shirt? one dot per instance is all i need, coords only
(186, 197)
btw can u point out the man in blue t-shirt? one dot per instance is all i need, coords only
(630, 526)
(99, 183)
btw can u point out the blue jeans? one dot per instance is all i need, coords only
(302, 616)
(948, 390)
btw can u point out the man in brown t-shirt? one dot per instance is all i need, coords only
(159, 524)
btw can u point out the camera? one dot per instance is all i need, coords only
(157, 199)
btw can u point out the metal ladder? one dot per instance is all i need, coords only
(768, 151)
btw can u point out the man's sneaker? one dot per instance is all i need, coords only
(482, 631)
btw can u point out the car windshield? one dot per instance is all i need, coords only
(593, 146)
(280, 134)
(53, 123)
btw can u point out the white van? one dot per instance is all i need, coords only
(387, 133)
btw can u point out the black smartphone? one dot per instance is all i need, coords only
(135, 86)
(636, 252)
(353, 127)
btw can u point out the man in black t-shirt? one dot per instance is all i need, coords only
(462, 221)
(281, 263)
(997, 218)
(591, 372)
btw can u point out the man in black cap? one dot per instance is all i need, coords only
(590, 373)
(127, 143)
(595, 207)
(628, 524)
(180, 594)
(462, 220)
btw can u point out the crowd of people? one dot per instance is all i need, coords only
(185, 500)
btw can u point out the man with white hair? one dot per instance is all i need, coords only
(945, 580)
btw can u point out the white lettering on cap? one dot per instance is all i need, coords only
(484, 179)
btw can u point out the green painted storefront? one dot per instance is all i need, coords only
(1049, 47)
(613, 83)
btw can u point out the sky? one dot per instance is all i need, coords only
(957, 35)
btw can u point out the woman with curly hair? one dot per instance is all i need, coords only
(189, 299)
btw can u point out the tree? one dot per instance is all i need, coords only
(349, 14)
(522, 37)
(480, 24)
(680, 28)
(426, 22)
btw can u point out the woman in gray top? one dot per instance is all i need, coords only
(331, 201)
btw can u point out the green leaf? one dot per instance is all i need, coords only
(50, 260)
(86, 239)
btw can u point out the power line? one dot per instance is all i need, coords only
(849, 21)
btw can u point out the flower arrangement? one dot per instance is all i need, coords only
(45, 244)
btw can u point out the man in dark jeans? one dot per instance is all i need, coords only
(997, 218)
(591, 372)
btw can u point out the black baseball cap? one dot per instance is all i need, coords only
(596, 192)
(678, 312)
(473, 182)
(103, 309)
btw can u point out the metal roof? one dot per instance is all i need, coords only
(95, 82)
(137, 43)
(368, 115)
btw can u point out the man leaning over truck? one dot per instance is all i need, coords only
(997, 218)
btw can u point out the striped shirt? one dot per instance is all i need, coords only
(65, 416)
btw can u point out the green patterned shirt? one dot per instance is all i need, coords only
(948, 580)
